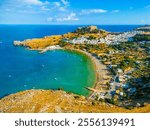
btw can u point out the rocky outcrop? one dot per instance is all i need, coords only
(18, 43)
(89, 29)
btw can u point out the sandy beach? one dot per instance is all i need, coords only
(102, 73)
(56, 47)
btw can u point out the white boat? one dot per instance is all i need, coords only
(55, 78)
(43, 66)
(9, 76)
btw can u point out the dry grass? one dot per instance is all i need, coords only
(42, 43)
(33, 101)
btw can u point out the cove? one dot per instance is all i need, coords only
(25, 69)
(22, 69)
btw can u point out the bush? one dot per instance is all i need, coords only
(63, 44)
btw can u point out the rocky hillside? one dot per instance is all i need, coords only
(33, 101)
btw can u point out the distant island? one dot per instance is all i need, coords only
(122, 65)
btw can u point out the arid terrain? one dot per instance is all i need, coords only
(43, 101)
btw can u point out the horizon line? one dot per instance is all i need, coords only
(67, 24)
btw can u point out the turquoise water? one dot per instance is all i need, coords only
(21, 69)
(51, 70)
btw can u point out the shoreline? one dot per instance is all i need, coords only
(101, 71)
(116, 89)
(49, 48)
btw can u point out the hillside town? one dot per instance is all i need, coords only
(111, 38)
(128, 61)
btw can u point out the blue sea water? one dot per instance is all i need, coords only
(118, 28)
(21, 69)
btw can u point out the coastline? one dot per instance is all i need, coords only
(101, 71)
(49, 48)
(99, 88)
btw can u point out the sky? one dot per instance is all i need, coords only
(101, 12)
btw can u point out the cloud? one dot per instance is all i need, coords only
(63, 5)
(70, 17)
(62, 9)
(36, 6)
(35, 2)
(148, 6)
(43, 8)
(57, 4)
(65, 2)
(50, 19)
(92, 11)
(115, 11)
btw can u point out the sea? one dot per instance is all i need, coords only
(22, 69)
